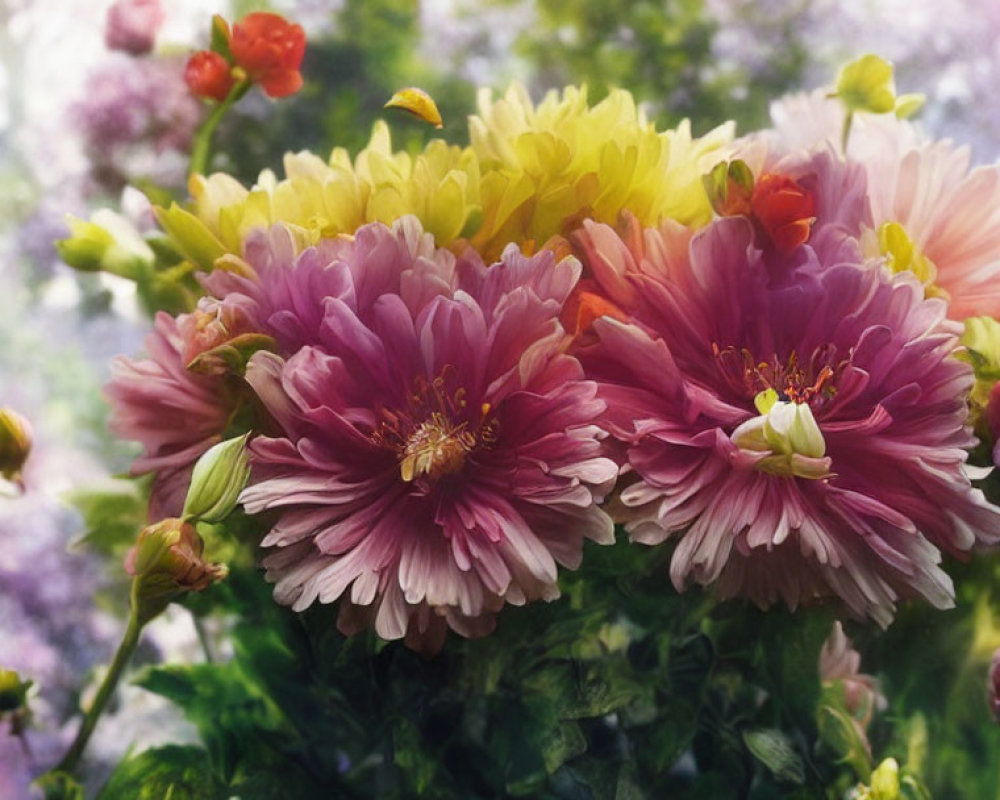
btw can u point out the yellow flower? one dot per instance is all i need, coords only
(547, 168)
(321, 199)
(982, 350)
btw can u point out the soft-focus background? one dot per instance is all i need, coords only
(79, 123)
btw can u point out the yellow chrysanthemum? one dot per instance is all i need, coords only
(323, 199)
(547, 168)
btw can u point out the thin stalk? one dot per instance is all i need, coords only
(202, 150)
(846, 132)
(203, 638)
(122, 657)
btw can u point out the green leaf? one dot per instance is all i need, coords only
(774, 750)
(111, 517)
(410, 756)
(230, 711)
(165, 773)
(59, 786)
(562, 743)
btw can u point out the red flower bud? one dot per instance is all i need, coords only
(784, 210)
(208, 75)
(269, 49)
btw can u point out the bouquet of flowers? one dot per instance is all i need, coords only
(555, 465)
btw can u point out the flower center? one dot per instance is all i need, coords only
(812, 382)
(784, 438)
(435, 433)
(435, 449)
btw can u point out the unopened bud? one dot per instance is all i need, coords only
(15, 443)
(13, 691)
(14, 700)
(166, 562)
(729, 187)
(109, 242)
(217, 480)
(885, 781)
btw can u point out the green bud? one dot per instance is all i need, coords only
(217, 480)
(15, 443)
(109, 242)
(729, 187)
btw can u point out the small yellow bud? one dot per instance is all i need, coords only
(885, 781)
(13, 692)
(866, 84)
(15, 443)
(419, 103)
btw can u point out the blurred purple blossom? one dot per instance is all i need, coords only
(132, 25)
(138, 119)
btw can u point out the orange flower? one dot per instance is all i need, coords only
(269, 49)
(784, 210)
(208, 75)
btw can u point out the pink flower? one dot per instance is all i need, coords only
(189, 393)
(132, 25)
(949, 212)
(438, 454)
(175, 413)
(799, 426)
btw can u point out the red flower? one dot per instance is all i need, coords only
(208, 75)
(269, 49)
(784, 210)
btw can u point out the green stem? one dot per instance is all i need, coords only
(846, 132)
(104, 693)
(203, 638)
(202, 149)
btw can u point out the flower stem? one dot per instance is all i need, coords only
(202, 149)
(846, 132)
(124, 654)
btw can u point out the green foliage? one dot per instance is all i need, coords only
(111, 516)
(164, 773)
(661, 50)
(620, 689)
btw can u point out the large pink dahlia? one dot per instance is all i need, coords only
(438, 453)
(800, 427)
